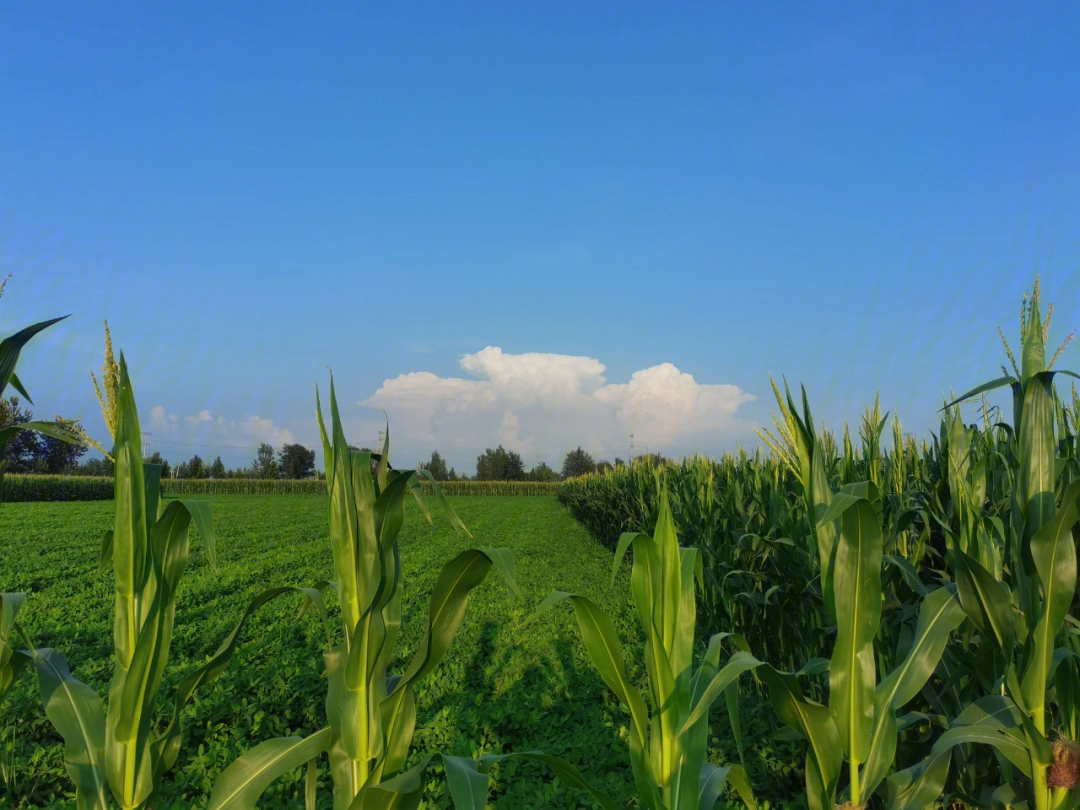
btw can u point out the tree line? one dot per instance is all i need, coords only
(500, 464)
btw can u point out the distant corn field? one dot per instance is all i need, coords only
(20, 488)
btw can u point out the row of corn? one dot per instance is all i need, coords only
(21, 488)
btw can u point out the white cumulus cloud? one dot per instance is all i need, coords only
(543, 405)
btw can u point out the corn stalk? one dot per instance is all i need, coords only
(669, 726)
(371, 714)
(860, 725)
(115, 750)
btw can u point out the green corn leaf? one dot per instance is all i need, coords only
(130, 541)
(402, 792)
(984, 599)
(739, 663)
(739, 780)
(711, 784)
(1015, 750)
(908, 572)
(1054, 552)
(1035, 485)
(626, 539)
(814, 722)
(240, 785)
(468, 785)
(455, 521)
(939, 615)
(852, 668)
(16, 383)
(311, 785)
(10, 348)
(1011, 796)
(918, 787)
(328, 449)
(448, 601)
(981, 389)
(105, 555)
(12, 661)
(77, 713)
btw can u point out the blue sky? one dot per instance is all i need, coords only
(852, 196)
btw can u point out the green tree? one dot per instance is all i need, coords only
(57, 456)
(156, 458)
(499, 465)
(24, 448)
(296, 461)
(543, 473)
(217, 469)
(192, 468)
(437, 467)
(577, 462)
(264, 465)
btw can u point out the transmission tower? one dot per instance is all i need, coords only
(146, 443)
(631, 448)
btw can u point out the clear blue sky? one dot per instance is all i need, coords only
(851, 195)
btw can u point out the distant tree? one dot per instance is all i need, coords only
(543, 473)
(217, 469)
(94, 466)
(57, 456)
(194, 467)
(24, 448)
(452, 475)
(437, 467)
(296, 461)
(604, 467)
(156, 458)
(577, 462)
(500, 465)
(264, 465)
(619, 462)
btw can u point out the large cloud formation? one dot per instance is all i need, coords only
(543, 405)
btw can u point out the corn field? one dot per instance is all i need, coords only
(908, 607)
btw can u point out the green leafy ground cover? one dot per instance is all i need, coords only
(499, 689)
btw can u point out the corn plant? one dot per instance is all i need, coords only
(371, 714)
(1020, 610)
(115, 750)
(860, 725)
(669, 724)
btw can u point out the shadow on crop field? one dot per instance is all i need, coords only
(514, 697)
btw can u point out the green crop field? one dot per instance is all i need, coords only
(498, 689)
